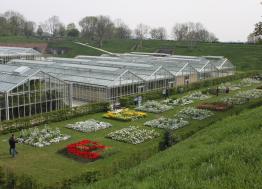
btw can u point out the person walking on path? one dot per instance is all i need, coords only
(12, 144)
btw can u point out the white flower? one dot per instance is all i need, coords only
(166, 123)
(89, 125)
(154, 107)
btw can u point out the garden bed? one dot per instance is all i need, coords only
(125, 115)
(167, 123)
(194, 113)
(154, 107)
(89, 126)
(41, 138)
(215, 106)
(133, 135)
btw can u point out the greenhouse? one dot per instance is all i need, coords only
(9, 53)
(223, 65)
(26, 91)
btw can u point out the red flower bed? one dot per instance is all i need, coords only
(215, 106)
(86, 149)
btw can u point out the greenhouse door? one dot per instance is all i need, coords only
(140, 89)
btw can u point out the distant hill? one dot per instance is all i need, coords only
(244, 56)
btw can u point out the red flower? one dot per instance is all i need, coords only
(85, 149)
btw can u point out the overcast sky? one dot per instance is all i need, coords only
(230, 20)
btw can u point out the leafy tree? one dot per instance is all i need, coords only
(39, 31)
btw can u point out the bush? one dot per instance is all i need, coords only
(153, 95)
(50, 117)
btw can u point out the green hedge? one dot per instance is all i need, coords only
(153, 95)
(55, 116)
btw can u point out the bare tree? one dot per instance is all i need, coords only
(122, 31)
(52, 25)
(158, 33)
(104, 29)
(88, 27)
(16, 22)
(141, 32)
(39, 31)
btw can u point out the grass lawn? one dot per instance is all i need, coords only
(226, 155)
(47, 166)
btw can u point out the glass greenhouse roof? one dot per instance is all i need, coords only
(16, 51)
(11, 76)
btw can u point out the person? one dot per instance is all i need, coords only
(12, 144)
(217, 91)
(227, 90)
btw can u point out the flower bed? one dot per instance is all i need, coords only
(89, 125)
(125, 115)
(154, 107)
(197, 95)
(166, 123)
(133, 135)
(215, 106)
(249, 81)
(235, 100)
(250, 94)
(41, 138)
(86, 149)
(178, 102)
(194, 113)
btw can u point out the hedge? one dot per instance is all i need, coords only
(153, 95)
(50, 117)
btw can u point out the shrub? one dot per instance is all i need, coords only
(50, 117)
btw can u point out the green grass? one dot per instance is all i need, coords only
(47, 166)
(226, 155)
(244, 56)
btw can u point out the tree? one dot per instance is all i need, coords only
(39, 31)
(258, 29)
(141, 32)
(29, 28)
(71, 30)
(52, 25)
(15, 22)
(192, 32)
(3, 26)
(158, 33)
(122, 31)
(88, 27)
(104, 29)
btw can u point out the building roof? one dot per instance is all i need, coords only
(17, 51)
(11, 76)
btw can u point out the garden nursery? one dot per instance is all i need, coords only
(86, 143)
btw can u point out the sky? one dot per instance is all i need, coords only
(229, 20)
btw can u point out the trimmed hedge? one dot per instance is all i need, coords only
(153, 95)
(50, 117)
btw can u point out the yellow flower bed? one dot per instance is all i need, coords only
(125, 115)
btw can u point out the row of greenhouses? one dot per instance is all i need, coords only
(28, 87)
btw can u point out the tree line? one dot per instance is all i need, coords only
(99, 28)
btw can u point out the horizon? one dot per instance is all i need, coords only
(228, 24)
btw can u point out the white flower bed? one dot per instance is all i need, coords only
(166, 123)
(41, 138)
(133, 135)
(194, 113)
(232, 87)
(250, 94)
(154, 107)
(235, 100)
(89, 126)
(178, 102)
(197, 95)
(249, 81)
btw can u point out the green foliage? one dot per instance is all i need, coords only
(225, 155)
(153, 95)
(50, 117)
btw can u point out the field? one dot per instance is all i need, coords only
(225, 155)
(244, 56)
(49, 167)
